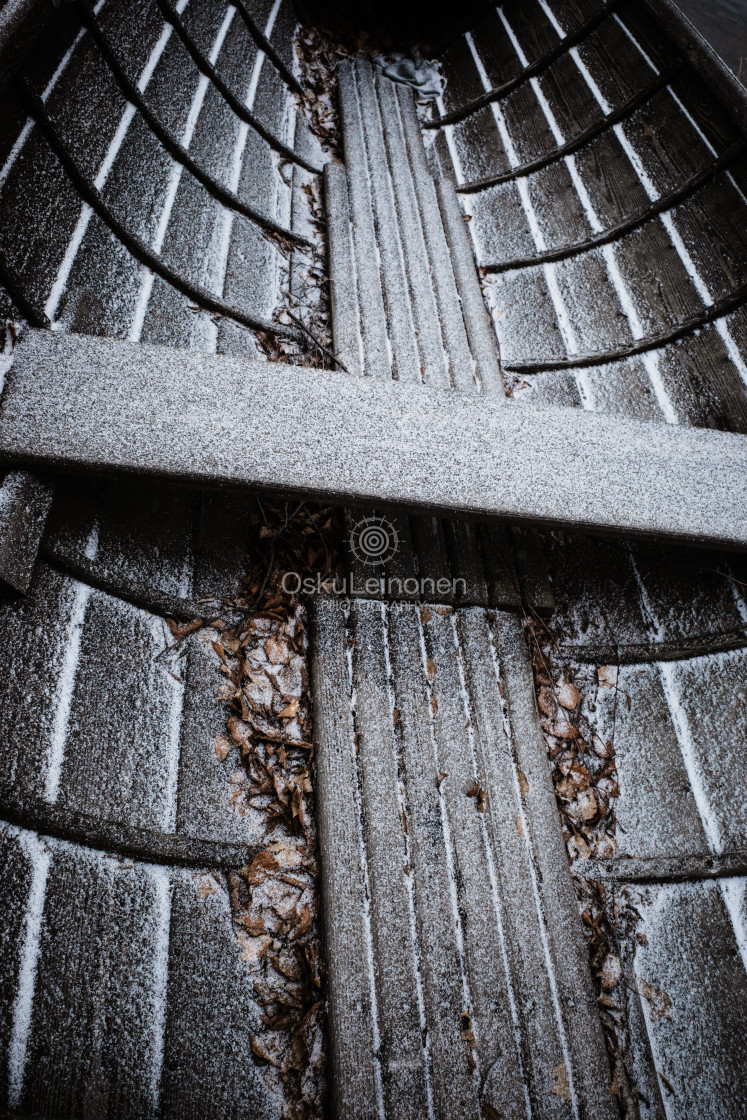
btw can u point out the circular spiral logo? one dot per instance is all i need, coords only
(373, 540)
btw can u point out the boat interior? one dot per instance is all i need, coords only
(453, 822)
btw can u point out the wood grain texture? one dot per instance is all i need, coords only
(442, 451)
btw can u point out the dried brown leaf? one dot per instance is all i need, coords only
(610, 973)
(548, 705)
(276, 650)
(262, 1051)
(479, 795)
(290, 711)
(263, 865)
(180, 631)
(567, 694)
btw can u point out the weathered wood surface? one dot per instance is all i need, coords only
(124, 992)
(445, 319)
(96, 404)
(641, 131)
(77, 271)
(609, 195)
(457, 927)
(25, 500)
(157, 788)
(695, 1002)
(122, 973)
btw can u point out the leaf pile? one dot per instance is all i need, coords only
(318, 56)
(610, 917)
(304, 283)
(583, 762)
(275, 900)
(306, 307)
(304, 286)
(575, 702)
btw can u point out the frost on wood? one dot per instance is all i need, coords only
(584, 771)
(304, 280)
(275, 899)
(584, 775)
(318, 57)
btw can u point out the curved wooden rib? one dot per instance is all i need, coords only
(613, 233)
(664, 869)
(124, 839)
(721, 307)
(578, 141)
(241, 111)
(264, 44)
(530, 71)
(636, 653)
(130, 591)
(90, 194)
(222, 194)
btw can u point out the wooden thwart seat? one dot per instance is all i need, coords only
(82, 403)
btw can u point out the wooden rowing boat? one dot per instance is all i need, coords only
(372, 528)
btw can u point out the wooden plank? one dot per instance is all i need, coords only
(406, 564)
(178, 414)
(500, 575)
(656, 814)
(462, 542)
(34, 636)
(211, 997)
(408, 723)
(430, 544)
(96, 994)
(706, 699)
(621, 605)
(703, 384)
(123, 766)
(114, 751)
(397, 293)
(531, 970)
(442, 262)
(352, 1028)
(17, 871)
(479, 328)
(531, 568)
(370, 296)
(475, 862)
(445, 990)
(693, 985)
(401, 1054)
(702, 57)
(540, 63)
(575, 994)
(25, 501)
(434, 355)
(342, 286)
